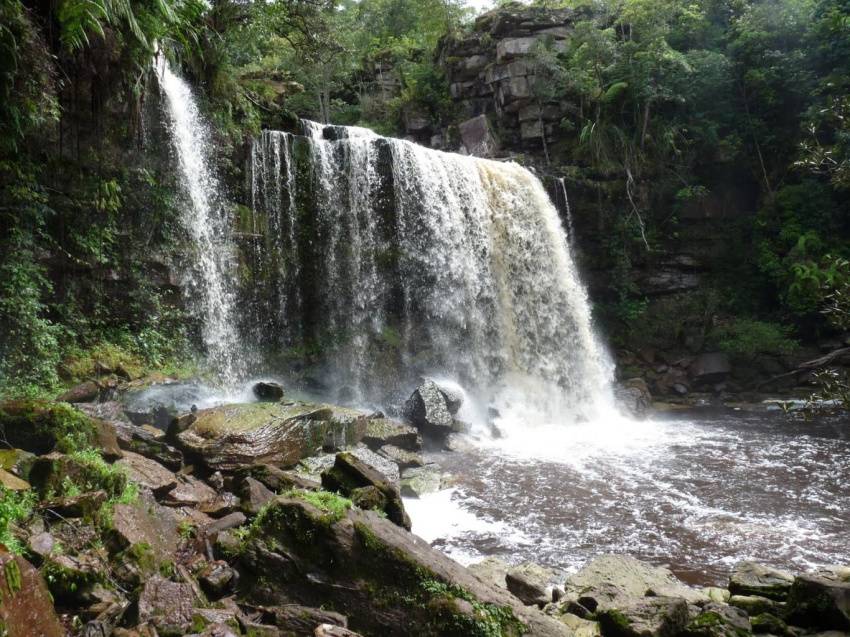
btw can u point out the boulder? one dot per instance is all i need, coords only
(690, 595)
(85, 393)
(217, 577)
(25, 604)
(386, 467)
(529, 583)
(404, 459)
(645, 617)
(349, 473)
(145, 522)
(426, 409)
(459, 443)
(749, 578)
(227, 438)
(717, 594)
(492, 570)
(632, 577)
(478, 138)
(72, 579)
(268, 392)
(39, 426)
(419, 481)
(719, 620)
(142, 441)
(710, 368)
(86, 505)
(254, 495)
(383, 431)
(329, 630)
(768, 624)
(385, 580)
(148, 473)
(581, 627)
(817, 602)
(40, 546)
(633, 401)
(167, 606)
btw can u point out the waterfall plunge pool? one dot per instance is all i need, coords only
(696, 492)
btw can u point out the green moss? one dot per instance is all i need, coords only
(331, 503)
(40, 426)
(13, 576)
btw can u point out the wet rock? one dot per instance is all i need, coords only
(529, 583)
(632, 577)
(73, 578)
(254, 495)
(633, 401)
(426, 409)
(350, 473)
(835, 573)
(492, 570)
(217, 578)
(167, 606)
(268, 392)
(719, 620)
(710, 368)
(420, 481)
(817, 602)
(649, 616)
(386, 467)
(178, 424)
(230, 437)
(382, 577)
(148, 473)
(459, 443)
(12, 482)
(25, 604)
(749, 578)
(85, 393)
(383, 431)
(194, 493)
(755, 605)
(302, 620)
(219, 630)
(404, 459)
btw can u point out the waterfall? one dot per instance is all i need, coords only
(209, 271)
(397, 261)
(568, 214)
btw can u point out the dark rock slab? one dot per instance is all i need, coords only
(85, 393)
(301, 621)
(383, 431)
(268, 391)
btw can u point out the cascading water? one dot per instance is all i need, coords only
(395, 261)
(209, 271)
(568, 213)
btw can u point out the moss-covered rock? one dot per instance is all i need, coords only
(227, 438)
(385, 580)
(817, 602)
(25, 604)
(40, 426)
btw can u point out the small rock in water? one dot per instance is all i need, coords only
(458, 443)
(268, 392)
(420, 481)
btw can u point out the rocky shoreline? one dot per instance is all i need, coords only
(286, 518)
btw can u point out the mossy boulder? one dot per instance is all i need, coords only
(719, 620)
(17, 462)
(750, 578)
(40, 426)
(383, 431)
(818, 602)
(25, 604)
(233, 436)
(352, 477)
(385, 580)
(644, 617)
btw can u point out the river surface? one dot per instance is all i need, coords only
(696, 493)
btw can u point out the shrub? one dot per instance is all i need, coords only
(747, 337)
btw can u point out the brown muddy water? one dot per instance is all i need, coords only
(696, 493)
